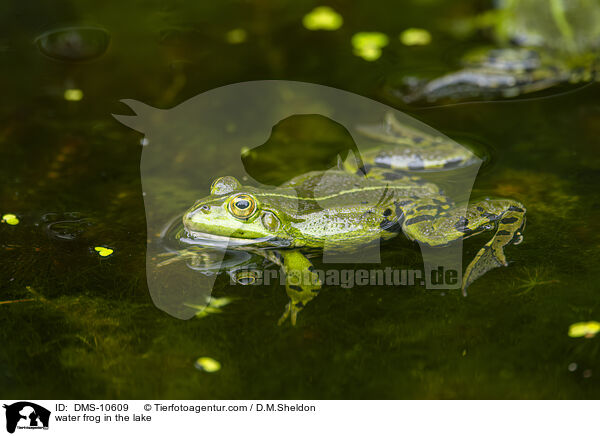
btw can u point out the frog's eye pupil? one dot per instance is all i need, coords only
(242, 204)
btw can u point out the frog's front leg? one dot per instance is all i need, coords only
(436, 227)
(302, 284)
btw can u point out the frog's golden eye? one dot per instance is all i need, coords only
(242, 206)
(224, 185)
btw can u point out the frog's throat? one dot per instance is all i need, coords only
(228, 241)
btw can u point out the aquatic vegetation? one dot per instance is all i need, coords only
(236, 36)
(74, 43)
(207, 364)
(322, 18)
(368, 45)
(73, 94)
(534, 278)
(10, 219)
(587, 329)
(103, 251)
(415, 36)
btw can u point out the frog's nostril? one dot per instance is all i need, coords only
(205, 208)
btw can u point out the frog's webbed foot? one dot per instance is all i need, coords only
(446, 227)
(491, 255)
(302, 284)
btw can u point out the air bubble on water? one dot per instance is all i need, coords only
(572, 367)
(587, 373)
(74, 43)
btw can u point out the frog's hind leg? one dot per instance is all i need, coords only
(302, 283)
(437, 228)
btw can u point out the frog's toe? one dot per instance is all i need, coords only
(291, 312)
(286, 314)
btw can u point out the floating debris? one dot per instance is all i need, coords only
(73, 94)
(322, 18)
(368, 45)
(10, 219)
(414, 36)
(74, 43)
(587, 373)
(104, 251)
(587, 329)
(207, 364)
(236, 36)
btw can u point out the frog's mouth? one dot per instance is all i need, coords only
(208, 239)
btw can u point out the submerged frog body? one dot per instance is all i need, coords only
(349, 207)
(503, 73)
(540, 44)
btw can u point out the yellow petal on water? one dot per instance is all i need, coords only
(414, 36)
(73, 94)
(322, 18)
(10, 219)
(236, 36)
(104, 251)
(368, 45)
(207, 364)
(587, 329)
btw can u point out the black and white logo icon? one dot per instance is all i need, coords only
(26, 415)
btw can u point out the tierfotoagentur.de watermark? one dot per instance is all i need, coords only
(346, 278)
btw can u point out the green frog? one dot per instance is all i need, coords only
(503, 73)
(358, 202)
(540, 44)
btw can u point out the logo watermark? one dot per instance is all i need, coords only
(346, 278)
(25, 415)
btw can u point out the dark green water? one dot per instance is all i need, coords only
(70, 172)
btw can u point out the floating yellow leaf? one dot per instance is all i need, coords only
(236, 36)
(322, 18)
(10, 219)
(368, 45)
(104, 251)
(414, 36)
(587, 329)
(73, 94)
(207, 364)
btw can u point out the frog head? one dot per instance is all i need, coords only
(236, 215)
